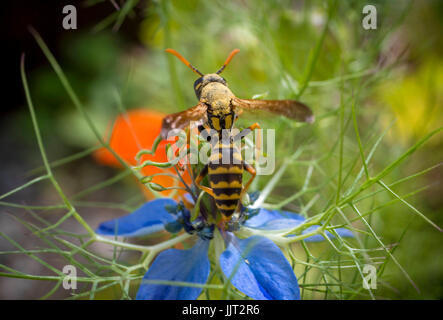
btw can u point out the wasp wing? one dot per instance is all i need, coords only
(182, 119)
(288, 108)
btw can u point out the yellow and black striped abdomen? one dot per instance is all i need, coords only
(225, 172)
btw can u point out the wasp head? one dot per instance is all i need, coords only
(201, 82)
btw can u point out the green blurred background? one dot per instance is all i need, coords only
(396, 71)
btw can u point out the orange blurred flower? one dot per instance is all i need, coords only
(133, 131)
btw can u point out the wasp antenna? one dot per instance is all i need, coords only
(186, 62)
(231, 55)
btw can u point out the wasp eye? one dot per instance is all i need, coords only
(198, 83)
(198, 87)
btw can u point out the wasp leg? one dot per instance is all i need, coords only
(247, 131)
(200, 177)
(184, 148)
(253, 127)
(253, 174)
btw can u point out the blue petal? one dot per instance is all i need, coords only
(279, 220)
(189, 198)
(279, 224)
(176, 265)
(147, 219)
(265, 216)
(318, 237)
(259, 270)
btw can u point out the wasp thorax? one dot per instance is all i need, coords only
(218, 98)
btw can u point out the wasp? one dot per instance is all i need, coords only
(217, 109)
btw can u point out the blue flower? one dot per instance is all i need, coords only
(254, 265)
(177, 265)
